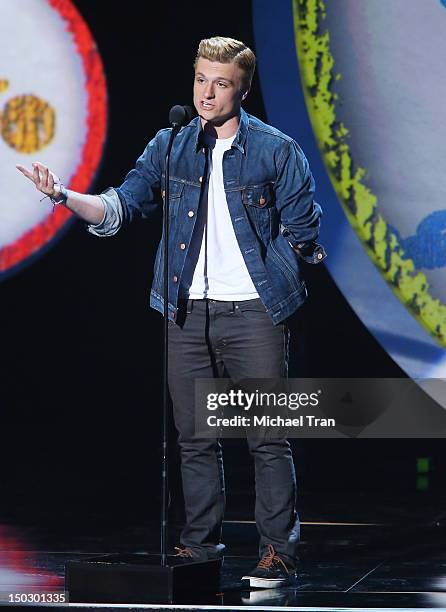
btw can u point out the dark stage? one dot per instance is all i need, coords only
(348, 562)
(81, 363)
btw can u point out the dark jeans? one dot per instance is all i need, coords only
(212, 337)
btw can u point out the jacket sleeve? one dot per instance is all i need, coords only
(140, 193)
(299, 213)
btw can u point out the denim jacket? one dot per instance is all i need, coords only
(269, 190)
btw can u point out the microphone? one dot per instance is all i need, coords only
(180, 115)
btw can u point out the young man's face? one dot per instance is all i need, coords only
(218, 90)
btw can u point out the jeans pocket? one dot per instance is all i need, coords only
(252, 309)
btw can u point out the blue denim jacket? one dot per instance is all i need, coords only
(269, 190)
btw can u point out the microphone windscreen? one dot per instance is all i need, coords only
(180, 115)
(189, 113)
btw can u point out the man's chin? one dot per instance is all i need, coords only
(215, 121)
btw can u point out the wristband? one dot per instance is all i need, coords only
(62, 196)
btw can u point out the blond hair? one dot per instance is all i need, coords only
(226, 50)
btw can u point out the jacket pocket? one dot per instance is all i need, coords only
(259, 203)
(176, 189)
(259, 196)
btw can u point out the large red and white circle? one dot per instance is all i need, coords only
(53, 109)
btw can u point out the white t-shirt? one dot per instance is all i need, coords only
(220, 272)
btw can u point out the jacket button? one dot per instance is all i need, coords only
(262, 201)
(175, 279)
(319, 255)
(201, 179)
(163, 193)
(182, 246)
(190, 213)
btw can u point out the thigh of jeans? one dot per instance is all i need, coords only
(254, 347)
(189, 357)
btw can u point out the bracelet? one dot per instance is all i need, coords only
(61, 198)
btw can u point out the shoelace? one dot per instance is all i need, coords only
(271, 557)
(183, 552)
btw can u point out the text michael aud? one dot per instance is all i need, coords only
(269, 421)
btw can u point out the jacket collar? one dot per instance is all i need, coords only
(240, 137)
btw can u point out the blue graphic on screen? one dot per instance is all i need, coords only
(427, 248)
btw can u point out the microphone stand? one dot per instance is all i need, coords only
(165, 428)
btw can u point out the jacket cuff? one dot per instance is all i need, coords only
(308, 250)
(113, 215)
(311, 252)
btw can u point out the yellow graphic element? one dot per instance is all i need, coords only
(27, 122)
(359, 203)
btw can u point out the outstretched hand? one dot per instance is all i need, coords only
(44, 180)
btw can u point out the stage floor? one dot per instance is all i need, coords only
(344, 564)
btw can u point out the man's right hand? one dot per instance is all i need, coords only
(44, 180)
(90, 208)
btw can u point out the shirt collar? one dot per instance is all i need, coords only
(240, 137)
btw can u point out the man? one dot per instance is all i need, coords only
(242, 217)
